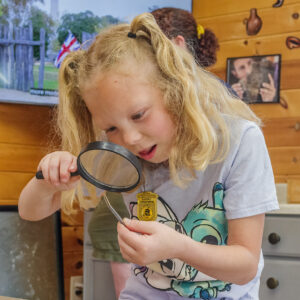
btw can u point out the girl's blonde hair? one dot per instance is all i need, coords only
(197, 101)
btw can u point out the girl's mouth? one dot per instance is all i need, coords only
(148, 154)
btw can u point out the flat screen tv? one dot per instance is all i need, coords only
(30, 256)
(32, 34)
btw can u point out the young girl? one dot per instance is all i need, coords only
(203, 155)
(181, 28)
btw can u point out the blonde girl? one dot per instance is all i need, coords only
(203, 153)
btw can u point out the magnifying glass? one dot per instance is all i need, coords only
(109, 167)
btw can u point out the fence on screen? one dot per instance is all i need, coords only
(16, 57)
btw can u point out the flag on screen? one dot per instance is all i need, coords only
(70, 44)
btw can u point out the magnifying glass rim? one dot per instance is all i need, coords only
(114, 148)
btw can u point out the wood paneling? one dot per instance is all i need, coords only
(73, 266)
(275, 110)
(273, 44)
(284, 132)
(74, 263)
(206, 8)
(20, 158)
(12, 183)
(232, 27)
(280, 179)
(281, 122)
(294, 190)
(25, 124)
(289, 77)
(72, 238)
(285, 160)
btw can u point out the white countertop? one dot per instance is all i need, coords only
(286, 208)
(19, 97)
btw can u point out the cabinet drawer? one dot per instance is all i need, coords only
(281, 236)
(284, 271)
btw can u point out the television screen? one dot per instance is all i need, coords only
(35, 35)
(31, 256)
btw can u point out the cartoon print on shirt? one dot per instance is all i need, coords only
(203, 223)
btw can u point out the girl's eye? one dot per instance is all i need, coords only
(138, 116)
(111, 129)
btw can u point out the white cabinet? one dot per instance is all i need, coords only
(281, 248)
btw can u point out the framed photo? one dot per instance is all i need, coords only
(35, 36)
(255, 79)
(31, 256)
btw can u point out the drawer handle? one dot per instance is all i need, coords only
(274, 238)
(272, 283)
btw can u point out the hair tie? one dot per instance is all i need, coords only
(200, 31)
(131, 35)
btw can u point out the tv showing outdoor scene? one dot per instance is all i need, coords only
(36, 35)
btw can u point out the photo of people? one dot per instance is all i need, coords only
(255, 79)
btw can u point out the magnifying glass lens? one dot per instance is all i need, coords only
(109, 169)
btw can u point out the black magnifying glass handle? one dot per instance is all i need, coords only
(39, 174)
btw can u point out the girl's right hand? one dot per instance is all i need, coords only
(56, 168)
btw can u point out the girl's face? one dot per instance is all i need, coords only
(132, 114)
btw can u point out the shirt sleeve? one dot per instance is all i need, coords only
(250, 187)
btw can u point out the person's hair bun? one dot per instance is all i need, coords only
(205, 51)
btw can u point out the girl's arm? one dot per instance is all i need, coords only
(41, 198)
(38, 200)
(236, 262)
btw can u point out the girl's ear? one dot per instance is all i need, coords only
(179, 40)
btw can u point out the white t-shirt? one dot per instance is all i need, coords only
(240, 186)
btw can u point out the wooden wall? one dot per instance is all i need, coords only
(24, 132)
(24, 128)
(282, 121)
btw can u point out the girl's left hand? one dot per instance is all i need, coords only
(146, 242)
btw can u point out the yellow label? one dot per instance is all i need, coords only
(147, 206)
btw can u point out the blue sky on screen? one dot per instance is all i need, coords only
(122, 9)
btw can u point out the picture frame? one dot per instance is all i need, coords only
(255, 79)
(31, 256)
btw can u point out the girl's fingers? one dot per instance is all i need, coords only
(66, 164)
(44, 167)
(125, 235)
(127, 251)
(56, 167)
(128, 237)
(41, 163)
(133, 239)
(73, 166)
(54, 170)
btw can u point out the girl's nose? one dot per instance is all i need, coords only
(131, 137)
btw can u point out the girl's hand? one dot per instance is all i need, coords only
(155, 242)
(268, 91)
(56, 168)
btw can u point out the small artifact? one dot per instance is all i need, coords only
(253, 23)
